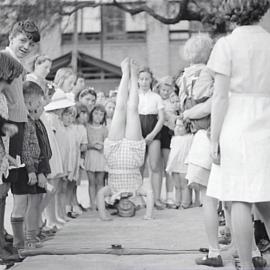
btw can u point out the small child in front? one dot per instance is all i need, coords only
(124, 149)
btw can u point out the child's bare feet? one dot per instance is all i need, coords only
(105, 215)
(146, 217)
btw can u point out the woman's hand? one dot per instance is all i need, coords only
(149, 138)
(215, 152)
(32, 178)
(185, 115)
(9, 129)
(98, 145)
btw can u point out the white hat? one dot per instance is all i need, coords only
(59, 101)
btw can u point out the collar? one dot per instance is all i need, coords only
(255, 28)
(145, 93)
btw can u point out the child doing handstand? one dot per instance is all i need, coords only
(124, 149)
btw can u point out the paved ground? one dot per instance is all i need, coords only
(169, 242)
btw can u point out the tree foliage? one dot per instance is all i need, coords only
(47, 12)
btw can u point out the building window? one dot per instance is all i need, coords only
(113, 22)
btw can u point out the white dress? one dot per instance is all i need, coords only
(180, 146)
(244, 56)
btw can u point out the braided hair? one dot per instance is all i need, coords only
(10, 68)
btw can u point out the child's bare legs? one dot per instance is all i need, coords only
(148, 193)
(92, 188)
(102, 193)
(154, 163)
(99, 180)
(118, 125)
(170, 200)
(178, 194)
(50, 210)
(61, 200)
(197, 191)
(70, 187)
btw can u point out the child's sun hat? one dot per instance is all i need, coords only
(59, 101)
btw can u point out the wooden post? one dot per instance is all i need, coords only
(75, 43)
(101, 32)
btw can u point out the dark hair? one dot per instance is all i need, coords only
(10, 68)
(98, 107)
(81, 108)
(26, 27)
(31, 89)
(247, 12)
(87, 91)
(148, 70)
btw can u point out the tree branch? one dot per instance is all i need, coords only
(183, 12)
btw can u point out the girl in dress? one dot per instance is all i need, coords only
(240, 121)
(151, 113)
(82, 119)
(110, 107)
(180, 146)
(54, 111)
(94, 160)
(164, 88)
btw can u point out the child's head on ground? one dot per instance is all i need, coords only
(33, 99)
(23, 37)
(197, 49)
(98, 115)
(65, 79)
(9, 70)
(42, 65)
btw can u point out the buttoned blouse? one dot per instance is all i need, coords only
(149, 103)
(244, 56)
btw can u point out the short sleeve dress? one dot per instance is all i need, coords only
(94, 159)
(244, 56)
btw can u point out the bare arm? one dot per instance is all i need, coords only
(198, 111)
(219, 109)
(157, 127)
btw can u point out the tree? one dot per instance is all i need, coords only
(49, 12)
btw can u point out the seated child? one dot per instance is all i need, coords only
(124, 149)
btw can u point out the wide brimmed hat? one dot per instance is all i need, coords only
(59, 101)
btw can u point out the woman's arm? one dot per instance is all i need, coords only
(198, 111)
(219, 109)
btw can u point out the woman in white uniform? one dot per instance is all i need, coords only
(240, 120)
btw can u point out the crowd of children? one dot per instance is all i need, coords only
(54, 134)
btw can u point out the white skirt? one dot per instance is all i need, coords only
(245, 151)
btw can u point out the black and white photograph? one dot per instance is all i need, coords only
(134, 134)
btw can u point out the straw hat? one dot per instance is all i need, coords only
(59, 101)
